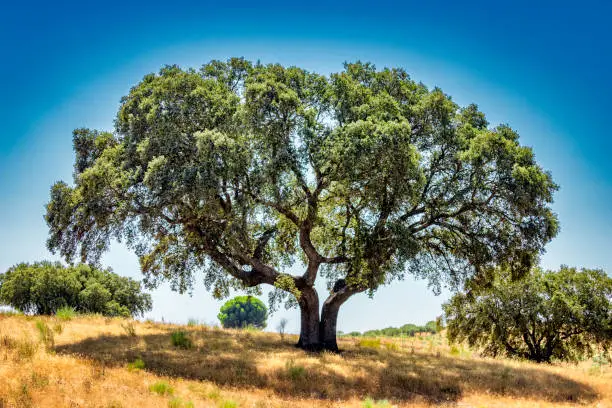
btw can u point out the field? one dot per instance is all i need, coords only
(92, 361)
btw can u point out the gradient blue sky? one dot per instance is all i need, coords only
(542, 67)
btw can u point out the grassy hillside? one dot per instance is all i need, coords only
(101, 362)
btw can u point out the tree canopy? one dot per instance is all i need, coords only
(45, 287)
(564, 315)
(243, 311)
(243, 170)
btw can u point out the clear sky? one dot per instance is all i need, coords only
(542, 67)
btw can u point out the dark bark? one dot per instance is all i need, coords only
(320, 334)
(329, 315)
(309, 311)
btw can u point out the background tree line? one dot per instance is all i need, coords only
(409, 329)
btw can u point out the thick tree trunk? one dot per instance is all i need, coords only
(309, 310)
(329, 319)
(329, 315)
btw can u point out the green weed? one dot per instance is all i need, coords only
(180, 339)
(65, 313)
(161, 388)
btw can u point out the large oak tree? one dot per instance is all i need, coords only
(243, 170)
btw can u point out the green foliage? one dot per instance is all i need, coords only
(408, 329)
(241, 170)
(180, 339)
(562, 315)
(295, 372)
(177, 402)
(243, 311)
(370, 403)
(46, 335)
(65, 313)
(136, 365)
(50, 288)
(228, 404)
(369, 343)
(161, 388)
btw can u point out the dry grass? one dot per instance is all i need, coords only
(92, 365)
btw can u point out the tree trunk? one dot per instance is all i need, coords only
(310, 324)
(329, 319)
(329, 315)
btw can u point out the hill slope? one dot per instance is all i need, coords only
(94, 361)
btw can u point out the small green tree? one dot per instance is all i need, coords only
(243, 311)
(45, 287)
(565, 315)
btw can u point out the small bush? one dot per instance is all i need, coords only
(46, 335)
(136, 365)
(192, 322)
(454, 350)
(176, 402)
(391, 346)
(369, 343)
(65, 313)
(370, 403)
(228, 404)
(180, 339)
(161, 388)
(295, 371)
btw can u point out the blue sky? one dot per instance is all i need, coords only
(542, 67)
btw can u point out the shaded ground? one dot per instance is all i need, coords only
(247, 360)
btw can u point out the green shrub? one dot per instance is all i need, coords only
(243, 311)
(369, 343)
(136, 365)
(46, 334)
(180, 339)
(370, 403)
(65, 313)
(228, 404)
(295, 371)
(176, 402)
(192, 322)
(161, 388)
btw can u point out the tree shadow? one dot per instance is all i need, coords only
(245, 360)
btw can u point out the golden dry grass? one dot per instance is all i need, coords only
(91, 364)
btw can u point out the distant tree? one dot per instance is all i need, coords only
(564, 315)
(243, 311)
(241, 170)
(45, 287)
(281, 327)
